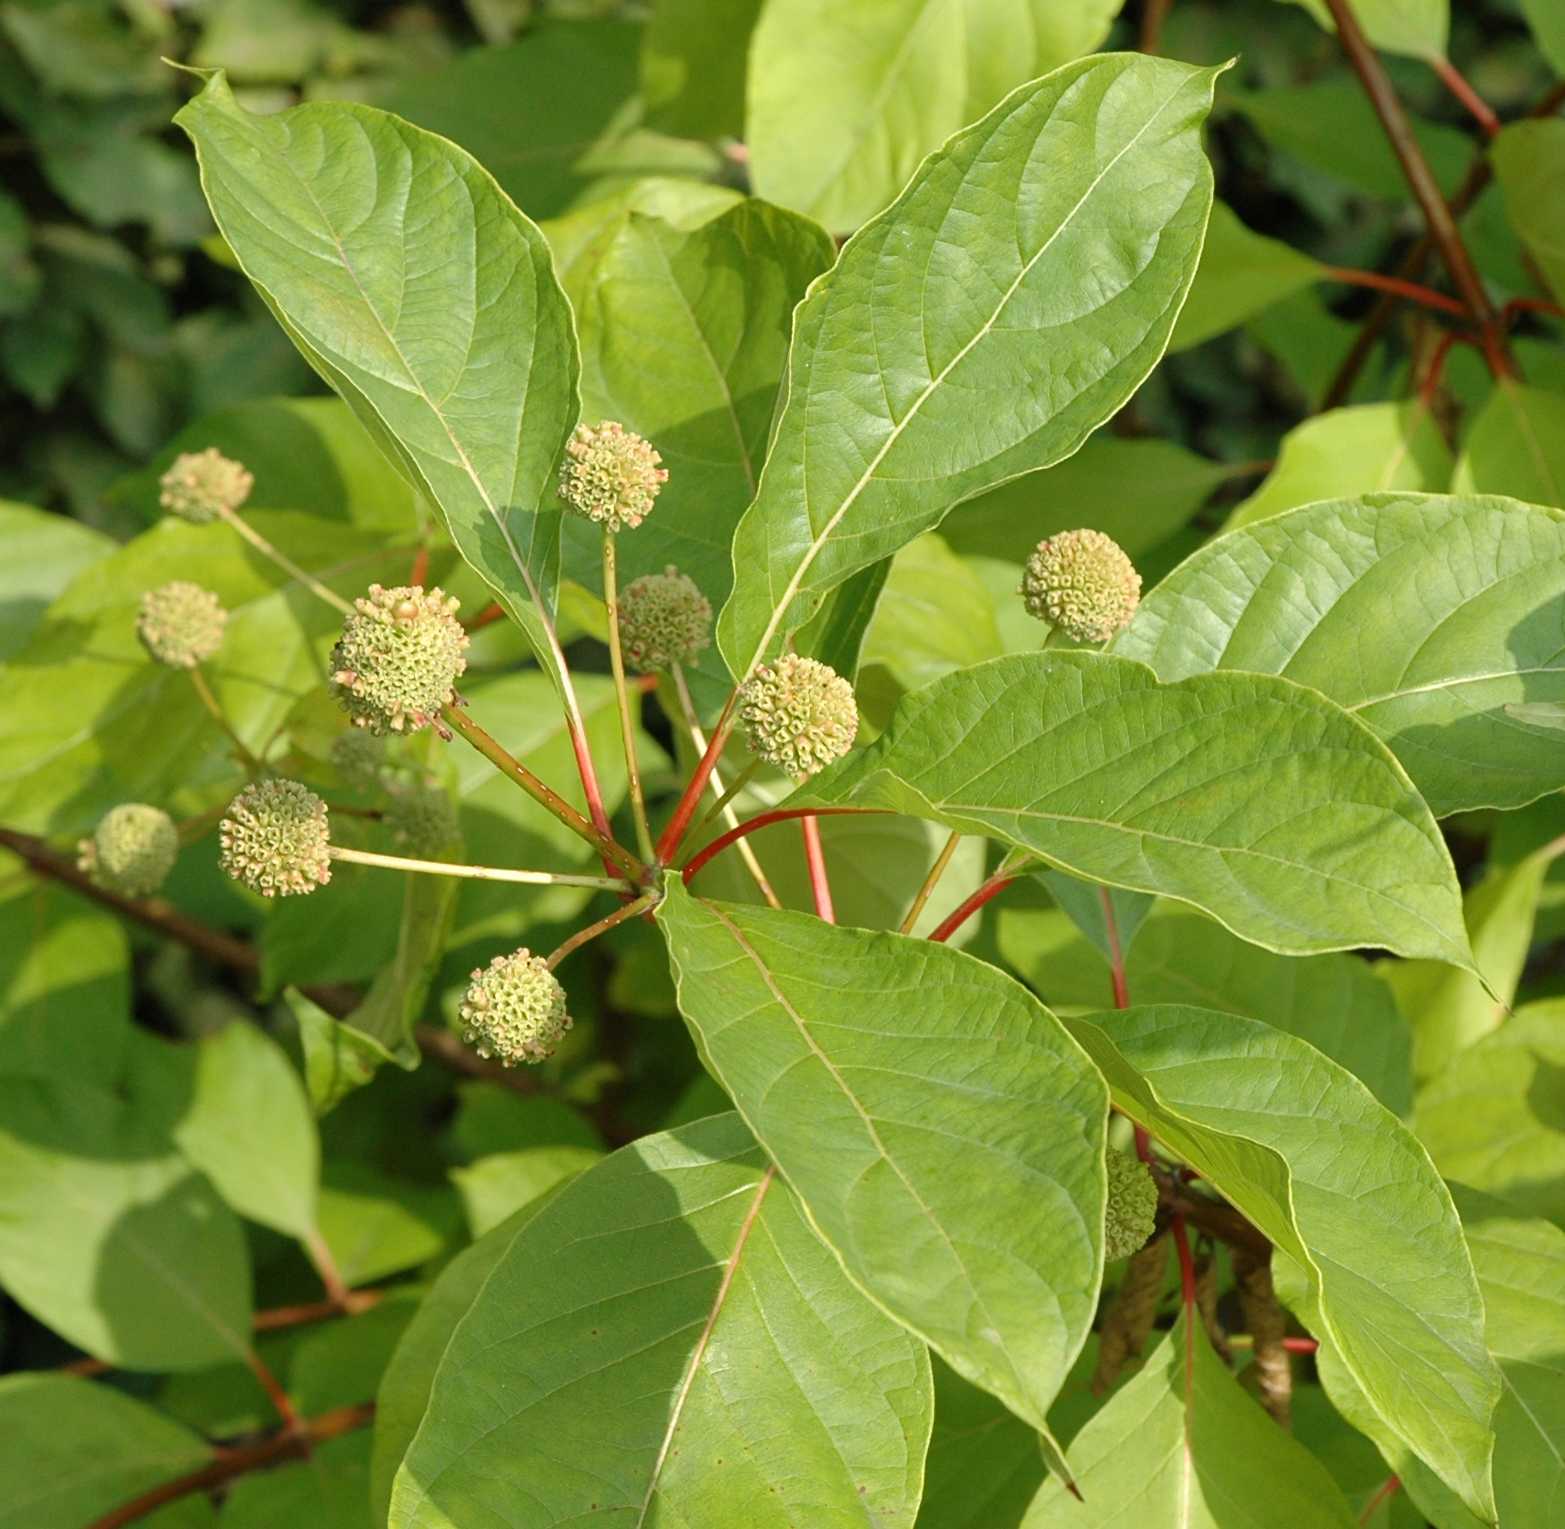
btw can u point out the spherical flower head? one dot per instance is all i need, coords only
(1131, 1213)
(181, 624)
(358, 757)
(611, 475)
(799, 714)
(421, 820)
(275, 839)
(664, 620)
(1082, 582)
(132, 849)
(514, 1009)
(398, 659)
(201, 485)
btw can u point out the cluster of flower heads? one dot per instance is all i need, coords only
(798, 714)
(1131, 1213)
(275, 839)
(1083, 583)
(611, 475)
(132, 849)
(514, 1009)
(201, 485)
(399, 657)
(664, 620)
(181, 624)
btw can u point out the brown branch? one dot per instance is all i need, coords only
(1217, 1220)
(290, 1444)
(1153, 14)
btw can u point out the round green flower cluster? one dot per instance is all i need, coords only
(359, 757)
(398, 659)
(181, 624)
(421, 820)
(276, 840)
(611, 475)
(201, 485)
(514, 1009)
(1081, 582)
(798, 713)
(132, 849)
(1131, 1213)
(664, 620)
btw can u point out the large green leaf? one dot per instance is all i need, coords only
(1424, 617)
(943, 1132)
(844, 101)
(1344, 1191)
(412, 284)
(668, 1343)
(1516, 446)
(1529, 162)
(1247, 795)
(1183, 1445)
(328, 1492)
(1009, 302)
(44, 553)
(71, 1450)
(984, 1464)
(693, 65)
(113, 1239)
(1415, 27)
(1548, 26)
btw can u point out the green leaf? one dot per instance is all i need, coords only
(693, 66)
(1334, 1002)
(326, 1493)
(1350, 451)
(111, 1238)
(844, 103)
(1424, 617)
(1013, 297)
(495, 1187)
(1182, 1444)
(338, 1059)
(690, 1353)
(1516, 446)
(44, 553)
(1091, 908)
(1495, 1118)
(1343, 1190)
(1417, 28)
(1241, 274)
(1249, 796)
(418, 291)
(984, 1464)
(72, 1450)
(1529, 162)
(375, 1224)
(943, 1132)
(340, 1364)
(1548, 27)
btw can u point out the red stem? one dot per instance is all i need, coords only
(1531, 305)
(1186, 1265)
(815, 859)
(274, 1389)
(1300, 1345)
(1412, 290)
(1456, 82)
(685, 809)
(1116, 955)
(954, 920)
(420, 570)
(1385, 1491)
(765, 820)
(491, 613)
(1436, 369)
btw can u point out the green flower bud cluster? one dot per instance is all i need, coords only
(1131, 1213)
(359, 756)
(132, 849)
(201, 485)
(799, 714)
(181, 624)
(275, 839)
(421, 819)
(611, 475)
(664, 620)
(398, 659)
(514, 1009)
(1082, 583)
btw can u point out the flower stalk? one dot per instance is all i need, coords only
(475, 872)
(638, 806)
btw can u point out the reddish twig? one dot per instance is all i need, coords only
(491, 613)
(764, 820)
(1457, 83)
(1435, 371)
(420, 569)
(1153, 14)
(1530, 305)
(1116, 955)
(1413, 291)
(685, 808)
(609, 921)
(1186, 1268)
(1382, 1494)
(959, 915)
(274, 1390)
(815, 860)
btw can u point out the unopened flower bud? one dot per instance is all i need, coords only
(132, 850)
(181, 624)
(611, 475)
(514, 1009)
(398, 659)
(421, 820)
(799, 714)
(1131, 1213)
(275, 839)
(201, 485)
(664, 620)
(1081, 582)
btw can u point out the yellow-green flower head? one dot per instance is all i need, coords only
(1082, 582)
(181, 624)
(799, 714)
(514, 1009)
(1131, 1213)
(664, 619)
(275, 839)
(399, 658)
(421, 820)
(358, 757)
(132, 849)
(201, 485)
(611, 475)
